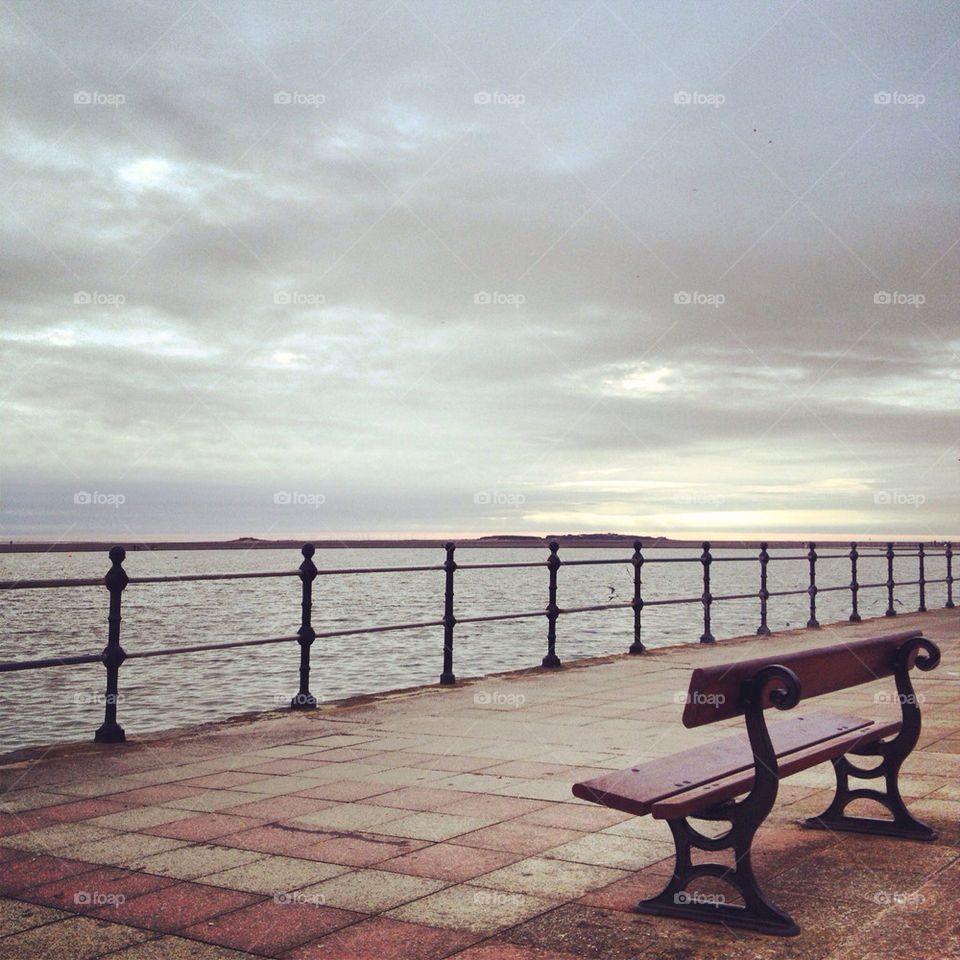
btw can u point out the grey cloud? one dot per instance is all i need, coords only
(500, 241)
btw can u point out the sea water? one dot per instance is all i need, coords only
(66, 703)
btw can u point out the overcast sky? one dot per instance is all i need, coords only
(480, 267)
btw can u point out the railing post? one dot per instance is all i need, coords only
(449, 620)
(553, 611)
(706, 598)
(922, 581)
(890, 611)
(763, 630)
(948, 553)
(854, 584)
(113, 655)
(637, 604)
(305, 700)
(812, 623)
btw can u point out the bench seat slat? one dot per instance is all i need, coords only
(637, 788)
(685, 804)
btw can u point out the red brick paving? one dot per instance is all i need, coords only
(172, 908)
(345, 790)
(362, 850)
(223, 781)
(380, 938)
(276, 839)
(156, 794)
(283, 765)
(32, 871)
(203, 827)
(421, 798)
(446, 861)
(514, 837)
(11, 823)
(79, 893)
(270, 927)
(510, 951)
(279, 808)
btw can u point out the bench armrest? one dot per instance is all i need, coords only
(777, 686)
(923, 654)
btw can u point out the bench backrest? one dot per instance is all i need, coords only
(714, 692)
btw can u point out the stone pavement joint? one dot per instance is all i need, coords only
(440, 823)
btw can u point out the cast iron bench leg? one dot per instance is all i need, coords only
(923, 654)
(758, 913)
(904, 824)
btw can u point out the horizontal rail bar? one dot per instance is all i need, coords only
(346, 571)
(601, 606)
(500, 616)
(671, 600)
(188, 577)
(11, 666)
(39, 584)
(731, 596)
(596, 563)
(198, 648)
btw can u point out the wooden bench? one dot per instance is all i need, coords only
(703, 782)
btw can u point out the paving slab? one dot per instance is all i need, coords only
(372, 891)
(80, 938)
(440, 823)
(473, 909)
(271, 927)
(273, 875)
(16, 915)
(380, 938)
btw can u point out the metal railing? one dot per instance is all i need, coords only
(116, 581)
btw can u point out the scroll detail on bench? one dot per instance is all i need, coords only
(704, 782)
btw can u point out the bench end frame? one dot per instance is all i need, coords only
(777, 686)
(924, 655)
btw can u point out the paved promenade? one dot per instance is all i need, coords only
(440, 823)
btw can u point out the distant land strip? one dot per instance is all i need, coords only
(593, 540)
